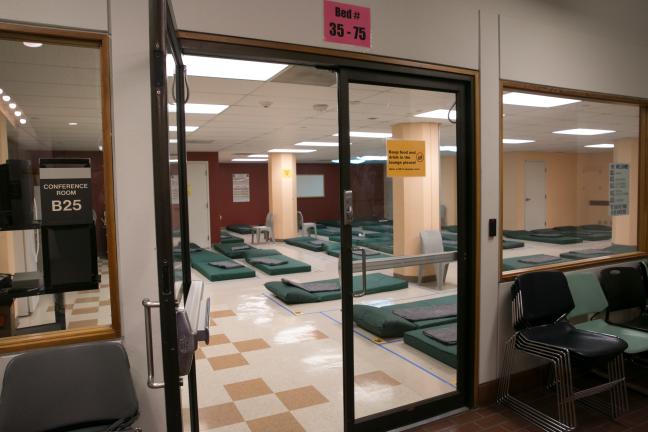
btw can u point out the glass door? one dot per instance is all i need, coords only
(172, 227)
(406, 193)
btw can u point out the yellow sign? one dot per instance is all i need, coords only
(405, 158)
(286, 172)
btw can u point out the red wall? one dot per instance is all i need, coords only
(251, 213)
(328, 207)
(214, 202)
(368, 184)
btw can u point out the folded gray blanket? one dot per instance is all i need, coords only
(269, 261)
(241, 247)
(225, 264)
(313, 287)
(446, 334)
(422, 313)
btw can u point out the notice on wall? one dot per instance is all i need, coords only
(241, 188)
(405, 158)
(347, 24)
(619, 189)
(65, 191)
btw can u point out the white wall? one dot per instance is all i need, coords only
(78, 14)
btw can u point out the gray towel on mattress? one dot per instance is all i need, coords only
(316, 242)
(241, 247)
(445, 335)
(225, 264)
(540, 259)
(367, 252)
(313, 287)
(269, 261)
(422, 313)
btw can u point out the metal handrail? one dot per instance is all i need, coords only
(150, 363)
(404, 261)
(363, 263)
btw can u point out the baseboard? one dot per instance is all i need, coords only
(487, 393)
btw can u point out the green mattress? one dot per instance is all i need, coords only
(380, 246)
(451, 228)
(594, 253)
(306, 243)
(291, 266)
(228, 238)
(240, 228)
(526, 235)
(382, 228)
(376, 283)
(384, 323)
(444, 353)
(229, 249)
(329, 223)
(512, 244)
(584, 234)
(515, 263)
(200, 261)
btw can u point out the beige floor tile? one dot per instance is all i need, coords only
(219, 415)
(260, 406)
(227, 361)
(86, 300)
(82, 323)
(375, 379)
(301, 397)
(222, 313)
(199, 354)
(67, 307)
(82, 311)
(216, 339)
(247, 389)
(104, 303)
(284, 422)
(251, 345)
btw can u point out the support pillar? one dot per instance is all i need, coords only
(7, 255)
(416, 200)
(282, 189)
(624, 228)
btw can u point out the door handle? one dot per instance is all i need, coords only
(348, 207)
(150, 362)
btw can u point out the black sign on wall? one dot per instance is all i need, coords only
(65, 192)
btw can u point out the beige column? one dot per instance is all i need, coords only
(282, 188)
(624, 228)
(7, 256)
(416, 200)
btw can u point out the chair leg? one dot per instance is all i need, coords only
(618, 393)
(440, 275)
(420, 275)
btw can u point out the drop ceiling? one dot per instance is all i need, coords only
(55, 85)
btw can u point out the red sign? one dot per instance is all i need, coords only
(347, 24)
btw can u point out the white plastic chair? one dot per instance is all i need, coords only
(432, 242)
(305, 227)
(266, 230)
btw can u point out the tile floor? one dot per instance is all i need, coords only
(276, 367)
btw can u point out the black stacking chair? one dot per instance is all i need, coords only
(541, 301)
(625, 290)
(84, 388)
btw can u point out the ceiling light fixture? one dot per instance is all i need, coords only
(317, 144)
(600, 146)
(100, 148)
(355, 161)
(258, 156)
(23, 121)
(516, 141)
(1, 91)
(359, 134)
(73, 124)
(12, 105)
(452, 149)
(195, 108)
(291, 150)
(6, 98)
(17, 113)
(535, 100)
(249, 160)
(173, 141)
(373, 158)
(226, 68)
(33, 44)
(188, 129)
(583, 131)
(441, 114)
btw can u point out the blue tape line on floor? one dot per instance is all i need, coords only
(429, 372)
(280, 305)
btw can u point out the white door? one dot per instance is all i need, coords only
(198, 193)
(535, 202)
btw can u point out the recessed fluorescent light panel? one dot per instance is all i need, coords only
(23, 121)
(452, 149)
(188, 129)
(33, 44)
(581, 131)
(355, 161)
(439, 114)
(373, 158)
(600, 146)
(73, 124)
(317, 144)
(357, 134)
(226, 68)
(258, 156)
(516, 141)
(194, 108)
(534, 100)
(292, 151)
(249, 160)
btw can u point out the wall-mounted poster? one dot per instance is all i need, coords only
(619, 189)
(241, 188)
